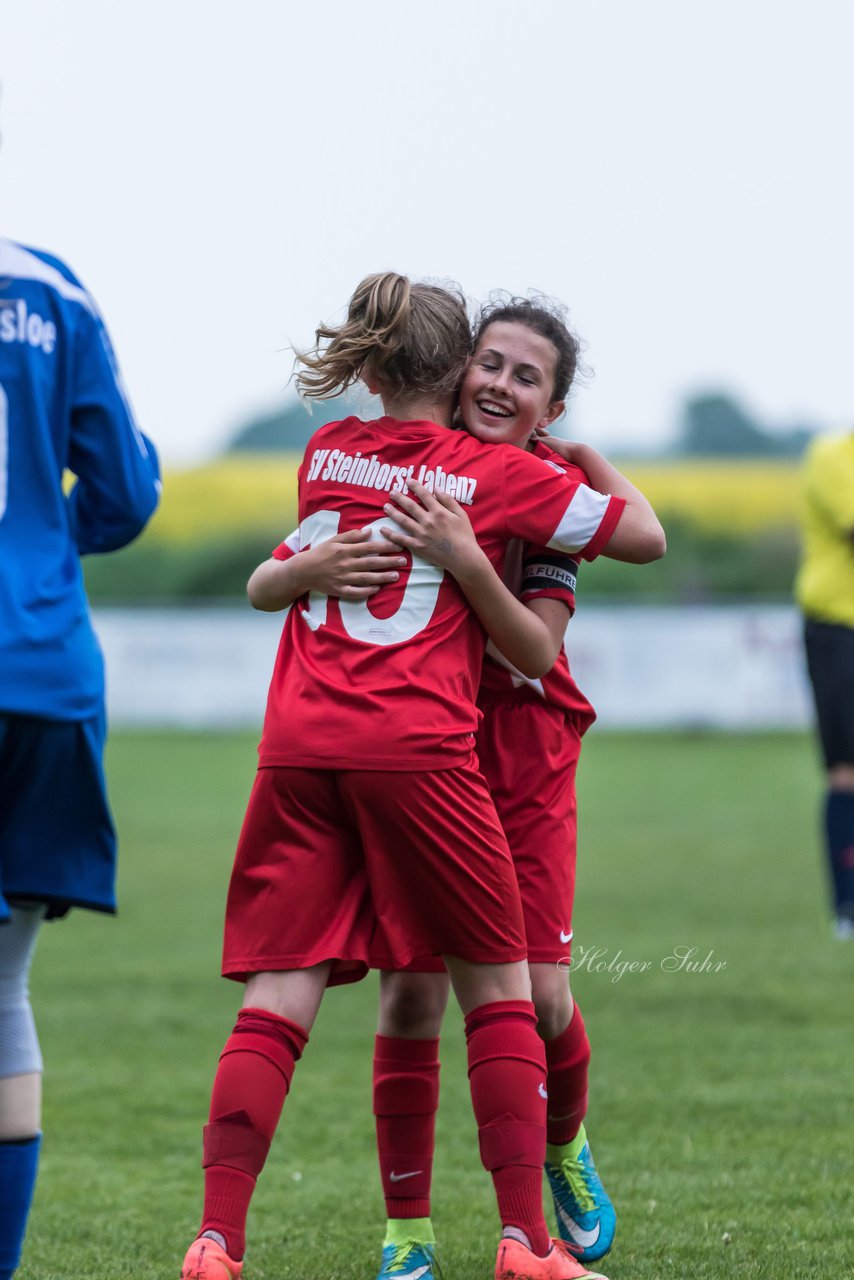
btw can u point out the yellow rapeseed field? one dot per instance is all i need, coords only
(736, 496)
(242, 493)
(257, 492)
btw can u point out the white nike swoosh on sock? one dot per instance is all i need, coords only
(399, 1177)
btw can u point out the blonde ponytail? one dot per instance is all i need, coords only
(413, 338)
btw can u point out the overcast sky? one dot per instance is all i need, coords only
(221, 176)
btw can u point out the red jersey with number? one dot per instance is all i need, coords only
(532, 573)
(390, 683)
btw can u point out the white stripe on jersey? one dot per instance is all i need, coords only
(18, 264)
(292, 541)
(581, 520)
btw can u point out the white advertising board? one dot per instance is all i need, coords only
(725, 667)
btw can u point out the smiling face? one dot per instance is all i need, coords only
(508, 388)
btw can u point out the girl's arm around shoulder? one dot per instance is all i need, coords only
(350, 566)
(275, 584)
(638, 537)
(528, 635)
(438, 529)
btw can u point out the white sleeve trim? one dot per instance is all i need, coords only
(581, 520)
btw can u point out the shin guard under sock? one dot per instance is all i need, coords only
(567, 1061)
(507, 1076)
(406, 1098)
(18, 1168)
(250, 1087)
(839, 831)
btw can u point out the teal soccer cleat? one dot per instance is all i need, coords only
(411, 1261)
(585, 1216)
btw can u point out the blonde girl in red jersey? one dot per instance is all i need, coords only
(528, 746)
(357, 761)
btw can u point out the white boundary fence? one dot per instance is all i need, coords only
(642, 666)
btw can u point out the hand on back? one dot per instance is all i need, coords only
(566, 449)
(352, 566)
(434, 527)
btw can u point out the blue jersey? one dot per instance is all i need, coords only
(62, 406)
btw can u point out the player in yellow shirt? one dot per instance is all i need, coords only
(825, 593)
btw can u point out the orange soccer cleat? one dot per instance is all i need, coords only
(206, 1260)
(516, 1262)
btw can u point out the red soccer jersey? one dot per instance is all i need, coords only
(390, 683)
(539, 572)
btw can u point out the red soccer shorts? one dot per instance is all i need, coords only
(528, 753)
(359, 866)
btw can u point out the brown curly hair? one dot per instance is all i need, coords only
(545, 317)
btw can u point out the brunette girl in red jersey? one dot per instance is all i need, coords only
(357, 763)
(528, 745)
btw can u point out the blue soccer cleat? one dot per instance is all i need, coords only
(411, 1261)
(585, 1216)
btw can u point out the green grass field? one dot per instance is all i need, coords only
(721, 1113)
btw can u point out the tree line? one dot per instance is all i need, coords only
(712, 424)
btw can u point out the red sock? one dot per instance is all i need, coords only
(406, 1098)
(507, 1076)
(251, 1083)
(567, 1060)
